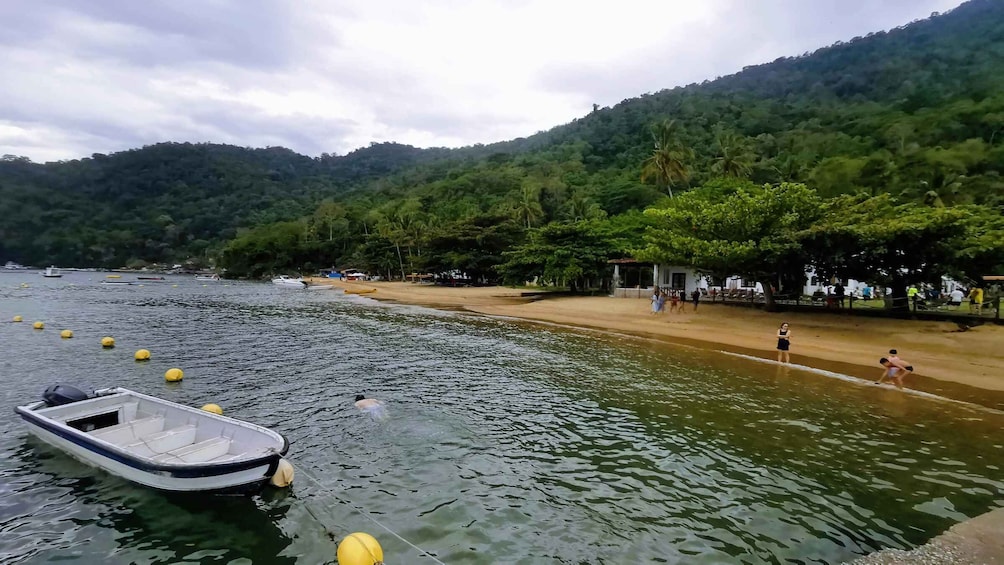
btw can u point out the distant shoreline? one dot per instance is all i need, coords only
(962, 365)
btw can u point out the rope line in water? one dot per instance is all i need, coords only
(364, 513)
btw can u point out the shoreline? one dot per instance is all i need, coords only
(961, 366)
(964, 366)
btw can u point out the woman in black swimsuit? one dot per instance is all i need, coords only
(783, 341)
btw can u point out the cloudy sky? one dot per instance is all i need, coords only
(329, 76)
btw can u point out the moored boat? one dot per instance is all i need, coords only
(360, 290)
(52, 272)
(289, 282)
(207, 278)
(155, 442)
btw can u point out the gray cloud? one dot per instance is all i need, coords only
(742, 34)
(86, 76)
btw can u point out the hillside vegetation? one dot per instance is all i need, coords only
(912, 117)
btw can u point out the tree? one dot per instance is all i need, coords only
(734, 155)
(473, 246)
(752, 231)
(563, 254)
(876, 240)
(668, 162)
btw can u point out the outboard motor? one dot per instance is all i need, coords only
(58, 395)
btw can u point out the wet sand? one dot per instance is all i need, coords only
(958, 364)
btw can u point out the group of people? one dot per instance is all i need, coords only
(919, 297)
(677, 300)
(896, 369)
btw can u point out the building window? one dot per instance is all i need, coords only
(716, 281)
(679, 281)
(748, 283)
(814, 281)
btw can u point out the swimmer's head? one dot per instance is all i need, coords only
(883, 361)
(892, 352)
(360, 397)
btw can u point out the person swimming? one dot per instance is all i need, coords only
(371, 406)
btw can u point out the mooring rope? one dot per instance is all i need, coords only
(364, 513)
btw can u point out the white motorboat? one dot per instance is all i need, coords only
(52, 272)
(289, 282)
(155, 442)
(207, 278)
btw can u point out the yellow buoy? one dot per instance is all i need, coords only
(174, 286)
(109, 341)
(38, 325)
(359, 549)
(283, 476)
(18, 319)
(142, 355)
(66, 334)
(214, 408)
(174, 375)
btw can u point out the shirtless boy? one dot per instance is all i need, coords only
(895, 369)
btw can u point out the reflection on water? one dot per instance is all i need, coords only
(504, 442)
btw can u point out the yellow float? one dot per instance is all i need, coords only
(283, 476)
(109, 342)
(38, 325)
(142, 355)
(66, 334)
(174, 375)
(214, 408)
(359, 549)
(18, 319)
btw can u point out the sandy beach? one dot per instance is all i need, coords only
(943, 355)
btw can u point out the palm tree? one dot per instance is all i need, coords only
(735, 157)
(526, 206)
(668, 162)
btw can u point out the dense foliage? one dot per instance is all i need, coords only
(904, 124)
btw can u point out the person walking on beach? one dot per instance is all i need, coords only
(783, 342)
(658, 300)
(976, 300)
(696, 297)
(674, 301)
(895, 369)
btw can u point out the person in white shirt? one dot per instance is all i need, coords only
(955, 297)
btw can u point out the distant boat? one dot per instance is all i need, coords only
(116, 283)
(151, 278)
(52, 273)
(207, 278)
(12, 266)
(289, 282)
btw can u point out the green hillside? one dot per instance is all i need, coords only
(916, 113)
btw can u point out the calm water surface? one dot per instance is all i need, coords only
(506, 442)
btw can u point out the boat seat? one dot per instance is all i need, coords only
(163, 441)
(129, 432)
(200, 452)
(228, 457)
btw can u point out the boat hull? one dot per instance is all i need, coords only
(247, 475)
(246, 481)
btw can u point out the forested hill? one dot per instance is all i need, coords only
(916, 112)
(170, 201)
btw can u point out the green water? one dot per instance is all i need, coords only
(505, 443)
